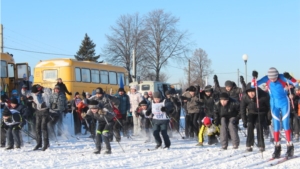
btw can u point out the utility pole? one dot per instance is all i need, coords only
(189, 81)
(1, 38)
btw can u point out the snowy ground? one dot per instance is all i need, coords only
(74, 153)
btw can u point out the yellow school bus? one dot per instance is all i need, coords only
(79, 76)
(12, 73)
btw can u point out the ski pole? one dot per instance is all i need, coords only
(178, 130)
(54, 133)
(114, 135)
(258, 114)
(89, 129)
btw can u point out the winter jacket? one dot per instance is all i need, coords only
(22, 110)
(209, 102)
(172, 106)
(158, 111)
(63, 89)
(135, 99)
(209, 131)
(60, 100)
(234, 93)
(249, 105)
(193, 103)
(124, 105)
(231, 109)
(105, 101)
(103, 117)
(39, 101)
(14, 120)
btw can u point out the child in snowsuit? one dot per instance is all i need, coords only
(211, 130)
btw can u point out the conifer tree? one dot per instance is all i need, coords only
(86, 50)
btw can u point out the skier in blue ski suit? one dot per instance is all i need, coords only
(279, 103)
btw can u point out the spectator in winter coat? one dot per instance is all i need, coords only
(230, 88)
(227, 112)
(11, 123)
(173, 109)
(160, 121)
(14, 95)
(76, 114)
(280, 106)
(253, 117)
(124, 107)
(147, 99)
(135, 98)
(58, 106)
(3, 131)
(209, 98)
(297, 113)
(105, 123)
(41, 115)
(21, 109)
(62, 86)
(211, 130)
(194, 104)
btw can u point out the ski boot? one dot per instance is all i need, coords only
(224, 147)
(199, 144)
(166, 147)
(107, 152)
(157, 146)
(261, 149)
(37, 147)
(9, 147)
(290, 151)
(97, 151)
(277, 151)
(249, 149)
(235, 147)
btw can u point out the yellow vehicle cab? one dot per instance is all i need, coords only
(79, 76)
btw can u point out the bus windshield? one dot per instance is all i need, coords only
(3, 69)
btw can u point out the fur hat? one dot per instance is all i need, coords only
(206, 121)
(99, 90)
(228, 83)
(208, 88)
(34, 89)
(133, 87)
(156, 95)
(192, 89)
(272, 73)
(94, 104)
(121, 89)
(6, 112)
(77, 93)
(224, 96)
(14, 101)
(249, 88)
(146, 93)
(143, 103)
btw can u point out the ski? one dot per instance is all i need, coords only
(284, 159)
(262, 162)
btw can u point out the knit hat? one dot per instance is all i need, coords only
(192, 89)
(206, 121)
(224, 96)
(208, 88)
(34, 89)
(14, 101)
(145, 93)
(14, 91)
(6, 112)
(272, 73)
(77, 93)
(167, 92)
(228, 83)
(133, 87)
(58, 79)
(143, 103)
(57, 87)
(121, 90)
(99, 90)
(94, 104)
(156, 95)
(249, 88)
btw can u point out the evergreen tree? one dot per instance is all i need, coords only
(86, 51)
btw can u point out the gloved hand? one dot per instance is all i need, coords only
(235, 121)
(83, 115)
(43, 105)
(287, 75)
(70, 93)
(163, 109)
(216, 122)
(245, 125)
(23, 123)
(269, 122)
(242, 79)
(215, 78)
(254, 74)
(17, 128)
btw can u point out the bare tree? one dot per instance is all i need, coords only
(164, 40)
(127, 35)
(199, 68)
(147, 74)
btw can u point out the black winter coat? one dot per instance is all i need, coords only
(209, 102)
(231, 109)
(63, 89)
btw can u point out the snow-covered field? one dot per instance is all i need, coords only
(70, 152)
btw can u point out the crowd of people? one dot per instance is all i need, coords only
(212, 112)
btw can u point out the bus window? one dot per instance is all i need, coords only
(104, 76)
(11, 70)
(50, 75)
(95, 76)
(77, 74)
(3, 69)
(21, 70)
(86, 75)
(118, 78)
(112, 78)
(145, 87)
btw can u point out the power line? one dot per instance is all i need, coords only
(37, 52)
